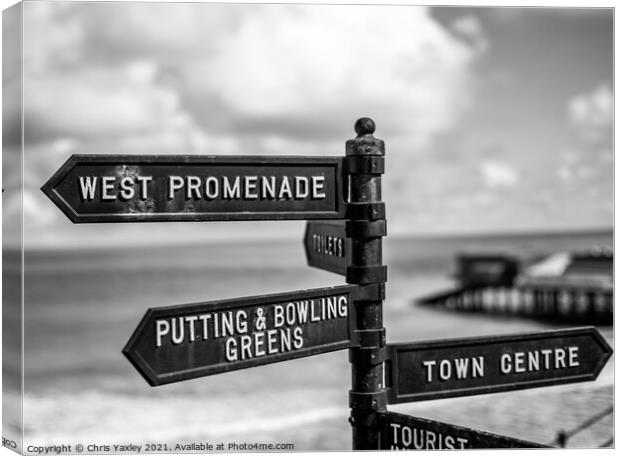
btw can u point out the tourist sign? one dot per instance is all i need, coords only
(403, 432)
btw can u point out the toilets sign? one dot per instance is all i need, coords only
(462, 367)
(150, 188)
(327, 246)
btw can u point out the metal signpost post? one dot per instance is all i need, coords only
(342, 197)
(366, 226)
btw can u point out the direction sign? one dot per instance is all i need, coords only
(181, 342)
(149, 188)
(403, 432)
(478, 365)
(327, 246)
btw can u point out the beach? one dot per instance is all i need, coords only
(81, 306)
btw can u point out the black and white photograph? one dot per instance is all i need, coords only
(306, 227)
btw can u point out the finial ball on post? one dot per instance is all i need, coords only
(365, 143)
(364, 126)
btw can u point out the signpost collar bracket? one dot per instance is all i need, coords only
(366, 274)
(369, 292)
(367, 357)
(370, 337)
(362, 229)
(364, 164)
(365, 211)
(367, 401)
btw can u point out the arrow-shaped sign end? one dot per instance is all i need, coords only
(605, 348)
(130, 350)
(307, 244)
(49, 188)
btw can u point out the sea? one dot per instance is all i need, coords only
(82, 305)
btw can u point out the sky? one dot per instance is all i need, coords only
(495, 119)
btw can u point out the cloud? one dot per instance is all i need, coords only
(93, 102)
(592, 113)
(122, 77)
(508, 14)
(586, 169)
(289, 70)
(297, 68)
(470, 28)
(499, 175)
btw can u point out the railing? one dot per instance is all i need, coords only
(585, 305)
(563, 435)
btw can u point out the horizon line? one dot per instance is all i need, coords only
(270, 239)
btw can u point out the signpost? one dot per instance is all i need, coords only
(327, 246)
(188, 341)
(194, 340)
(478, 365)
(143, 188)
(403, 432)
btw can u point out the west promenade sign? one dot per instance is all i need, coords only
(193, 340)
(146, 188)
